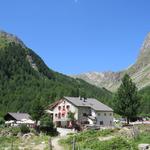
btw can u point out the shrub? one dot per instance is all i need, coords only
(2, 122)
(113, 144)
(24, 129)
(14, 130)
(90, 140)
(47, 126)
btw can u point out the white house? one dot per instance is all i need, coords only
(86, 111)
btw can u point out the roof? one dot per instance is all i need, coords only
(89, 102)
(53, 105)
(19, 116)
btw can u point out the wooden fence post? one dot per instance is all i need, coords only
(73, 144)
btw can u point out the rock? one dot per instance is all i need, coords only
(129, 132)
(27, 136)
(144, 146)
(19, 135)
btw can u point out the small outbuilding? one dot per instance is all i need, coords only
(18, 118)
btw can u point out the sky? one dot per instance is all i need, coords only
(77, 36)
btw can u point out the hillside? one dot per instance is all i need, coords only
(145, 101)
(25, 79)
(139, 72)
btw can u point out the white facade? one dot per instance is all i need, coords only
(60, 113)
(83, 115)
(104, 118)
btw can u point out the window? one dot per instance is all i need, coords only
(59, 115)
(110, 122)
(63, 115)
(64, 107)
(84, 114)
(55, 115)
(59, 107)
(110, 114)
(101, 123)
(104, 114)
(68, 107)
(99, 114)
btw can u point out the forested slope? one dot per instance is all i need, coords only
(24, 79)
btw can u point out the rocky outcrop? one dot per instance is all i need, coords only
(7, 38)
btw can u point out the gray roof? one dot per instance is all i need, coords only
(20, 116)
(89, 102)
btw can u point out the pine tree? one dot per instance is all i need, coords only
(127, 100)
(37, 110)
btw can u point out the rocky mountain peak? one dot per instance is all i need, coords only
(146, 44)
(7, 37)
(144, 56)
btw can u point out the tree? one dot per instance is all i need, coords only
(37, 110)
(2, 122)
(127, 100)
(24, 129)
(83, 94)
(47, 126)
(71, 116)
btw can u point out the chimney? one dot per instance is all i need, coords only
(84, 99)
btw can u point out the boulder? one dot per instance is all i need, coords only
(144, 146)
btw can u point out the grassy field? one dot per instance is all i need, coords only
(110, 139)
(94, 140)
(35, 142)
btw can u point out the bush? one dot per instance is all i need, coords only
(47, 126)
(24, 129)
(90, 140)
(2, 122)
(14, 130)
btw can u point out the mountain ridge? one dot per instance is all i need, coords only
(139, 72)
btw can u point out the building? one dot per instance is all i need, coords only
(18, 118)
(86, 111)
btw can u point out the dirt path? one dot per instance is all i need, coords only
(40, 147)
(63, 134)
(55, 144)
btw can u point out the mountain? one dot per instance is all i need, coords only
(25, 79)
(145, 101)
(139, 72)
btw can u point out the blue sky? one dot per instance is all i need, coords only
(76, 36)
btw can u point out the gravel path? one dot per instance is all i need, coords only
(63, 133)
(55, 144)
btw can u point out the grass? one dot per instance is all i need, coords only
(12, 136)
(28, 144)
(143, 138)
(86, 139)
(90, 140)
(9, 142)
